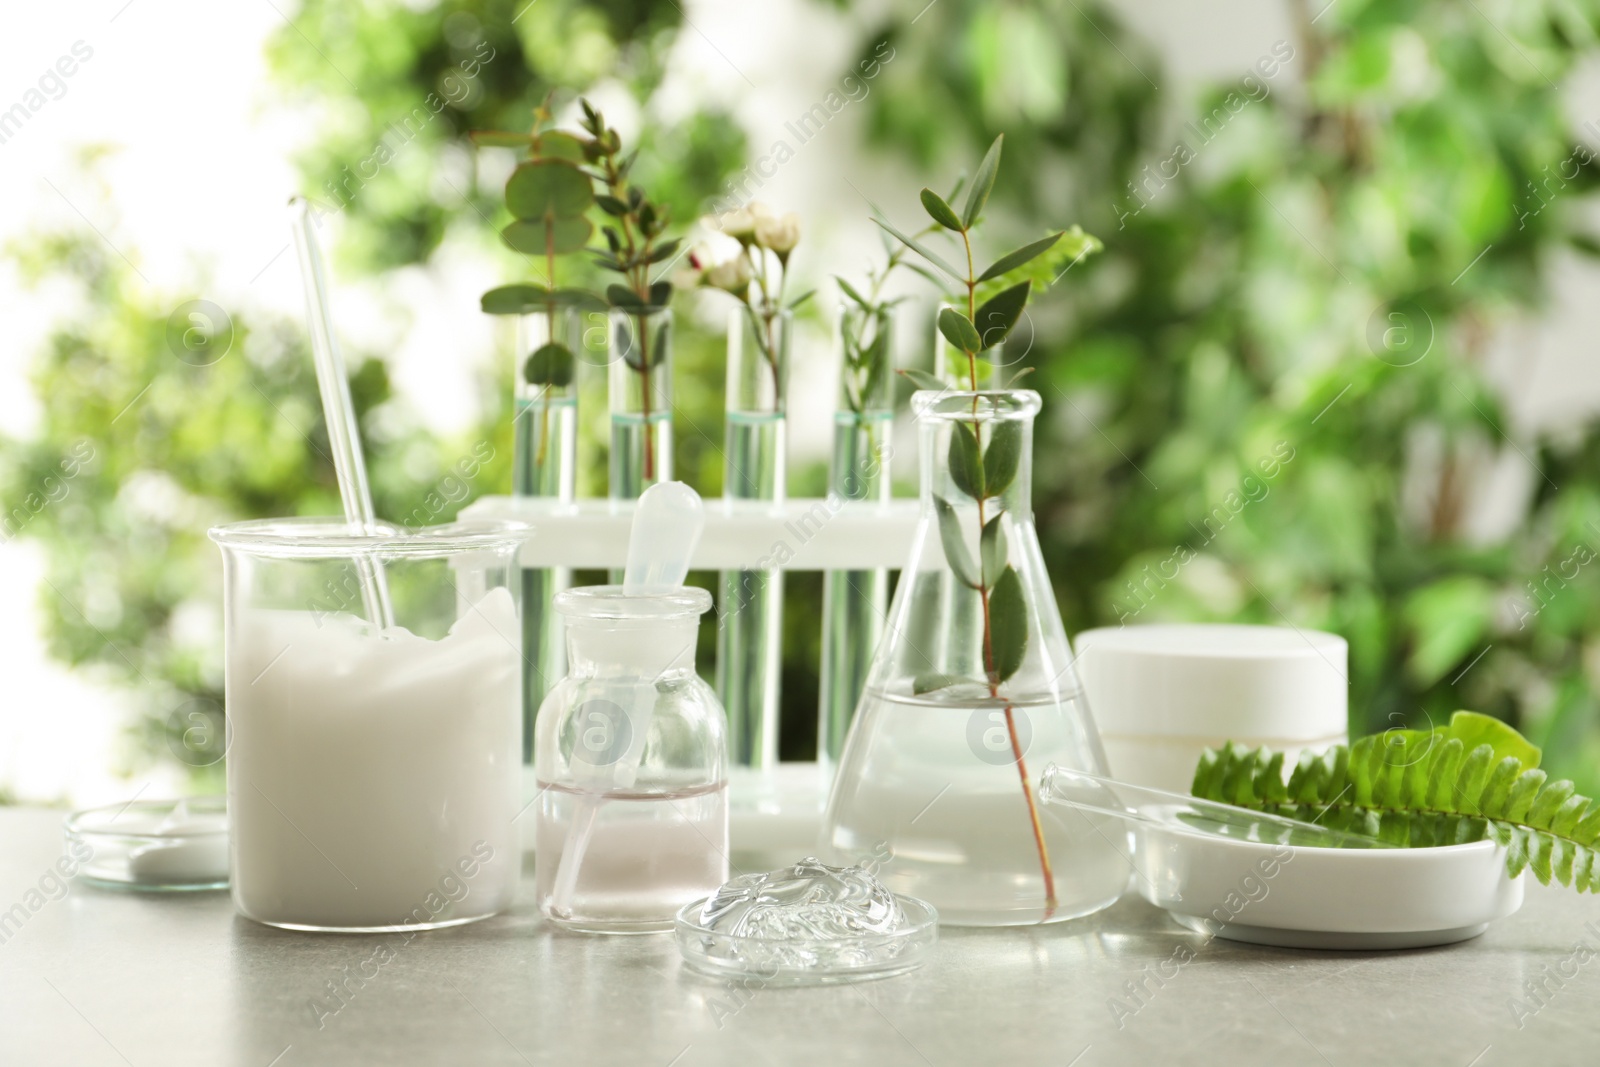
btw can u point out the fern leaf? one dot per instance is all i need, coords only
(1268, 781)
(1561, 857)
(1565, 820)
(1423, 771)
(1582, 869)
(1588, 828)
(1494, 794)
(1205, 774)
(1366, 758)
(1517, 855)
(1308, 780)
(1523, 792)
(1539, 847)
(1338, 771)
(1470, 783)
(1470, 780)
(1550, 798)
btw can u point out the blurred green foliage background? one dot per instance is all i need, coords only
(1320, 290)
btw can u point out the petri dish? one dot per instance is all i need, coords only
(152, 846)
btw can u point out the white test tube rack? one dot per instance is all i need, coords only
(776, 811)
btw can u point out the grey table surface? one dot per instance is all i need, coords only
(111, 978)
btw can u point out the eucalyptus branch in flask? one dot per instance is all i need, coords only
(982, 470)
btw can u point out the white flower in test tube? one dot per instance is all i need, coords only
(740, 223)
(732, 275)
(779, 233)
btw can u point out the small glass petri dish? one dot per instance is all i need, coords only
(152, 846)
(804, 961)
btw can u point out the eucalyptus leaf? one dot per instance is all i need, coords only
(1012, 260)
(923, 380)
(850, 291)
(623, 297)
(966, 469)
(997, 315)
(548, 189)
(921, 250)
(550, 364)
(539, 237)
(664, 251)
(877, 358)
(941, 212)
(959, 331)
(529, 299)
(582, 299)
(956, 552)
(1008, 624)
(626, 346)
(982, 183)
(623, 346)
(993, 549)
(1002, 456)
(934, 681)
(559, 144)
(513, 299)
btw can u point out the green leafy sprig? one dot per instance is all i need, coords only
(1475, 778)
(633, 245)
(984, 472)
(550, 196)
(865, 338)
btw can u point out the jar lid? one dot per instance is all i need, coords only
(1215, 680)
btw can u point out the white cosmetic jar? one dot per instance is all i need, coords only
(1161, 694)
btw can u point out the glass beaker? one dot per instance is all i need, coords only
(373, 771)
(631, 760)
(971, 693)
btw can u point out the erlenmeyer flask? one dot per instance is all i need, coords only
(971, 694)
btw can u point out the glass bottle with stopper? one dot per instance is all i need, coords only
(631, 750)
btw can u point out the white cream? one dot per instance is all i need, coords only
(373, 777)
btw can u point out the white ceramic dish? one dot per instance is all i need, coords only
(1323, 898)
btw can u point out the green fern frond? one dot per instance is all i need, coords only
(1472, 779)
